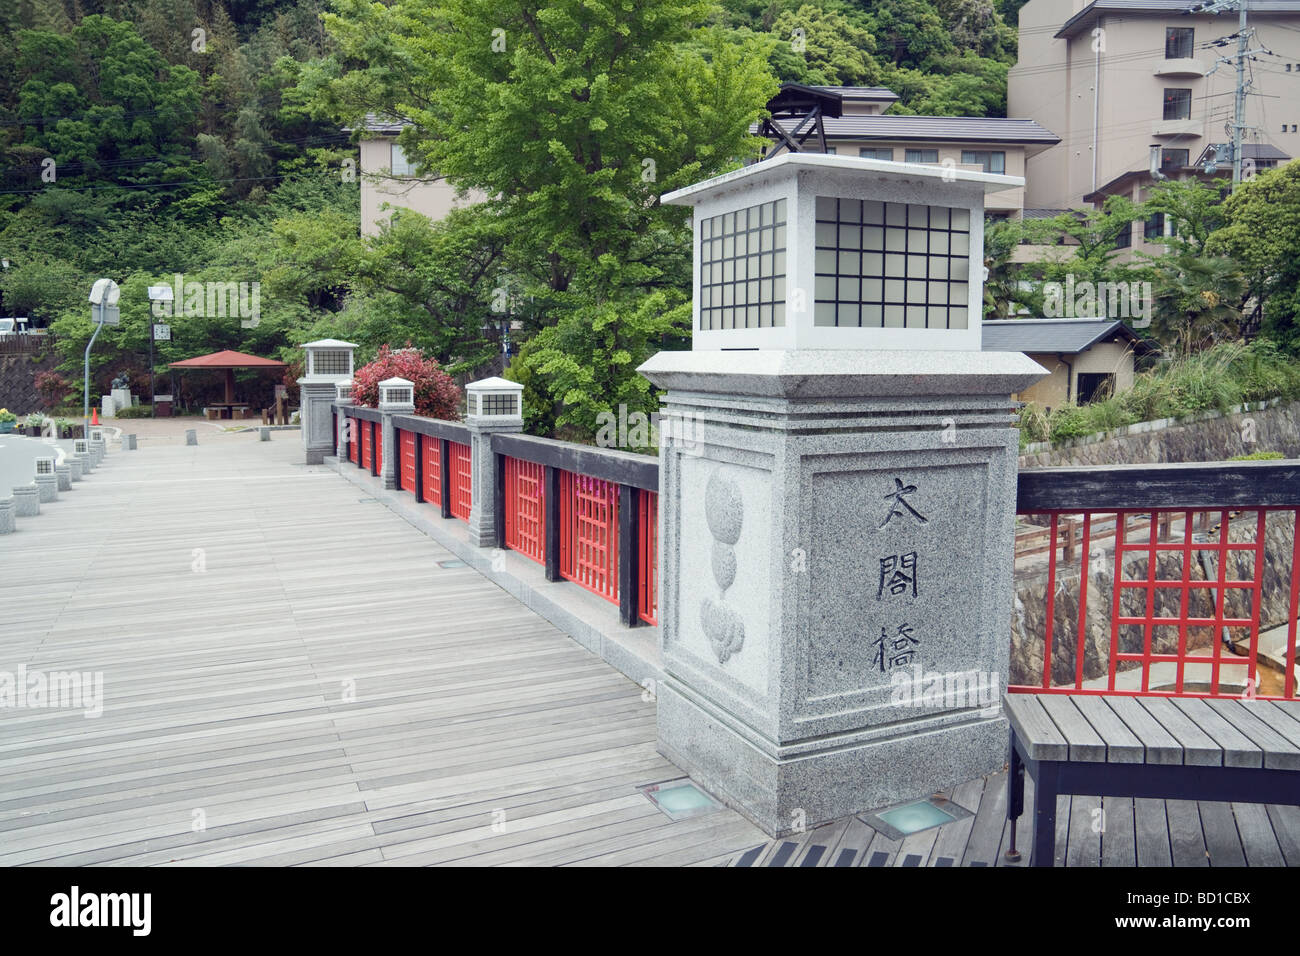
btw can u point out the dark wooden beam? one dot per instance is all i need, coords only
(629, 553)
(1232, 484)
(624, 468)
(551, 480)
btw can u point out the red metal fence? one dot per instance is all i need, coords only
(1184, 607)
(354, 441)
(589, 533)
(367, 444)
(525, 507)
(462, 479)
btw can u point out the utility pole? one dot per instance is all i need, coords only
(1238, 126)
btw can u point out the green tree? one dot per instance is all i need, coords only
(1197, 300)
(1261, 231)
(829, 49)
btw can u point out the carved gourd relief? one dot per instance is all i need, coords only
(724, 511)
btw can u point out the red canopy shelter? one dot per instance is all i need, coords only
(229, 361)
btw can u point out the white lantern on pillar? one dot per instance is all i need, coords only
(396, 395)
(494, 401)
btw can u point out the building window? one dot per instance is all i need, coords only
(401, 166)
(1125, 237)
(891, 265)
(1154, 227)
(1174, 158)
(994, 161)
(830, 150)
(866, 153)
(922, 155)
(1178, 43)
(742, 268)
(1178, 104)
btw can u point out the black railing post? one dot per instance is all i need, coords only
(419, 466)
(444, 451)
(629, 555)
(499, 503)
(374, 450)
(551, 481)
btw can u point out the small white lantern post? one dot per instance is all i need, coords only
(842, 525)
(328, 362)
(47, 481)
(396, 397)
(81, 449)
(492, 405)
(343, 425)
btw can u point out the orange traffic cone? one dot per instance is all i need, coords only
(94, 416)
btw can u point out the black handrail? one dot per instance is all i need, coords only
(1195, 486)
(609, 464)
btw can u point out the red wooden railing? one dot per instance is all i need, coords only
(367, 444)
(462, 480)
(589, 533)
(648, 565)
(525, 507)
(377, 432)
(354, 441)
(1185, 634)
(431, 458)
(406, 440)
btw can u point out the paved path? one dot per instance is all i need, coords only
(235, 602)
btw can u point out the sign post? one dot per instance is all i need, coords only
(103, 311)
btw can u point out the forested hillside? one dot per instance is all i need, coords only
(147, 138)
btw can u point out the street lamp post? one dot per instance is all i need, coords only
(103, 309)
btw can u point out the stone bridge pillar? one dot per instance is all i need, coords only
(838, 481)
(329, 362)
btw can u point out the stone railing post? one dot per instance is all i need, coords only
(342, 400)
(837, 492)
(396, 397)
(328, 362)
(493, 405)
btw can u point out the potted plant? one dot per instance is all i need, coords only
(7, 419)
(35, 423)
(66, 428)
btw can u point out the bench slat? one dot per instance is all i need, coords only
(1037, 733)
(1279, 753)
(1280, 720)
(1199, 749)
(1161, 747)
(1085, 745)
(1121, 744)
(1238, 750)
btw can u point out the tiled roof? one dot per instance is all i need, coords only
(971, 129)
(874, 93)
(1049, 335)
(1084, 19)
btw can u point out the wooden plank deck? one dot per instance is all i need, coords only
(291, 679)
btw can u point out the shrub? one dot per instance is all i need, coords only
(436, 394)
(136, 411)
(53, 388)
(1259, 456)
(1068, 421)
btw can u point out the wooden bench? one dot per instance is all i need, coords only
(1184, 748)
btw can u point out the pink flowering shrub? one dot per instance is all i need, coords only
(436, 394)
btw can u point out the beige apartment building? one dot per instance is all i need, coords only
(1116, 77)
(388, 179)
(993, 145)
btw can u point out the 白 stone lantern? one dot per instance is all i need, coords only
(492, 405)
(328, 362)
(343, 424)
(396, 397)
(839, 529)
